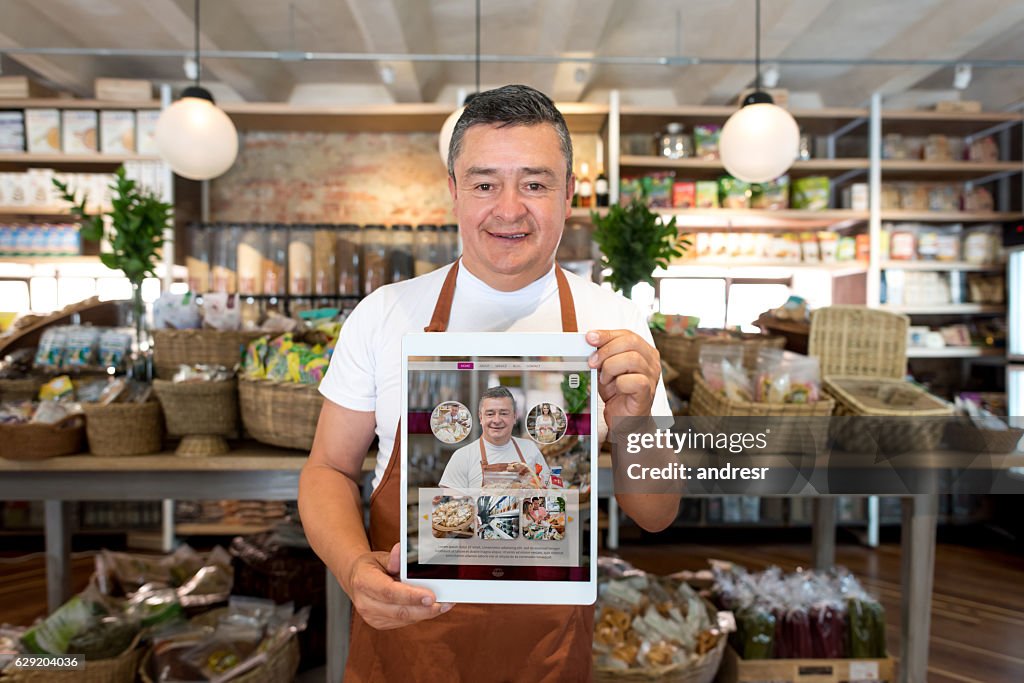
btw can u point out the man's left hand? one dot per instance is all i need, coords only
(629, 369)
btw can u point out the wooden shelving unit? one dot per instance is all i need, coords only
(955, 352)
(765, 219)
(943, 266)
(945, 309)
(955, 170)
(897, 215)
(69, 103)
(72, 159)
(712, 168)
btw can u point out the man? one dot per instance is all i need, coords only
(497, 413)
(510, 179)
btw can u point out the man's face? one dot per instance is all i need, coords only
(511, 198)
(497, 415)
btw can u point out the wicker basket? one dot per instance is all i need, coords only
(20, 389)
(902, 410)
(855, 341)
(683, 353)
(38, 441)
(281, 665)
(120, 669)
(124, 428)
(700, 670)
(786, 437)
(172, 348)
(280, 413)
(202, 413)
(963, 436)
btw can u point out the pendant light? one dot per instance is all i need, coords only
(448, 127)
(195, 137)
(760, 141)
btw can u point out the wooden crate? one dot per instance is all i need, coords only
(123, 89)
(22, 87)
(736, 670)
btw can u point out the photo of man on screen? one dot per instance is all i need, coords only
(497, 458)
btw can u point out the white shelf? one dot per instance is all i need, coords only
(715, 165)
(943, 266)
(944, 309)
(844, 267)
(67, 159)
(896, 215)
(953, 352)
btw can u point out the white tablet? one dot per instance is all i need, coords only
(499, 464)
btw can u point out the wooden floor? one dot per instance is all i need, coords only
(977, 613)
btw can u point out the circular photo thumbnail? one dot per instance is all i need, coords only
(546, 422)
(451, 422)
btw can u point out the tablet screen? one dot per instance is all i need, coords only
(499, 467)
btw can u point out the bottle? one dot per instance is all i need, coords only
(585, 187)
(601, 189)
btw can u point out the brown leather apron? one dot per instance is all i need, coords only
(520, 469)
(533, 643)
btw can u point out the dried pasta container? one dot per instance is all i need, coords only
(400, 260)
(251, 246)
(325, 239)
(375, 257)
(198, 260)
(425, 249)
(346, 259)
(300, 260)
(275, 260)
(225, 259)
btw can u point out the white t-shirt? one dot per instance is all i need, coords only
(365, 370)
(463, 470)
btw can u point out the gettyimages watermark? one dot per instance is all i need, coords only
(816, 455)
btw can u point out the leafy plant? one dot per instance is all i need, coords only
(633, 242)
(576, 400)
(137, 220)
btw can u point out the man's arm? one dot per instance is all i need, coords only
(330, 506)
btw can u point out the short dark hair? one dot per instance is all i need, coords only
(510, 105)
(496, 392)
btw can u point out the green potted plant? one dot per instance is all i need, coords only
(634, 241)
(134, 227)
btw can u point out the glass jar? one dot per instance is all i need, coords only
(225, 258)
(400, 260)
(346, 259)
(675, 144)
(425, 249)
(251, 247)
(375, 257)
(324, 267)
(198, 259)
(449, 242)
(300, 260)
(275, 259)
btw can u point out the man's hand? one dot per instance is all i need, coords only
(628, 372)
(383, 602)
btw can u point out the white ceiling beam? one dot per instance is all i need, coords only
(395, 27)
(572, 28)
(946, 32)
(222, 28)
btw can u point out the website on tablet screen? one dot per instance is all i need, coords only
(499, 468)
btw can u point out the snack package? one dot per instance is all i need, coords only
(80, 348)
(685, 325)
(57, 389)
(734, 193)
(630, 190)
(684, 195)
(221, 311)
(105, 638)
(50, 412)
(53, 634)
(658, 190)
(114, 347)
(786, 377)
(707, 194)
(721, 366)
(50, 352)
(811, 193)
(202, 373)
(772, 195)
(176, 311)
(705, 141)
(254, 364)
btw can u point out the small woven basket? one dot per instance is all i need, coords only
(203, 414)
(38, 441)
(20, 389)
(683, 353)
(124, 428)
(173, 348)
(280, 413)
(855, 341)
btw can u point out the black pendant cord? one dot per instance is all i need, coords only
(196, 22)
(477, 44)
(757, 44)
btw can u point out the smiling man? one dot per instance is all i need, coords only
(496, 448)
(510, 178)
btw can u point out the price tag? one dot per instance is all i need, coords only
(863, 672)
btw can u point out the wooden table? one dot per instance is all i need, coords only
(267, 473)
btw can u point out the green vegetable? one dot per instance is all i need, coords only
(576, 400)
(633, 242)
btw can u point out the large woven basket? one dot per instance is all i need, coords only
(907, 418)
(700, 670)
(280, 413)
(20, 389)
(281, 666)
(120, 669)
(38, 441)
(856, 341)
(788, 436)
(202, 413)
(963, 436)
(124, 428)
(683, 353)
(172, 348)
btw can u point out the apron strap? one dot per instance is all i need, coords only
(565, 302)
(483, 452)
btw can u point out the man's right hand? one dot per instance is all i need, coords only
(381, 600)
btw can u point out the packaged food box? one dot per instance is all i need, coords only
(863, 247)
(12, 131)
(707, 194)
(902, 246)
(914, 197)
(80, 131)
(658, 188)
(684, 194)
(846, 249)
(943, 198)
(855, 197)
(771, 195)
(890, 196)
(117, 131)
(928, 246)
(705, 141)
(42, 131)
(809, 247)
(948, 248)
(827, 242)
(630, 189)
(145, 131)
(734, 193)
(811, 193)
